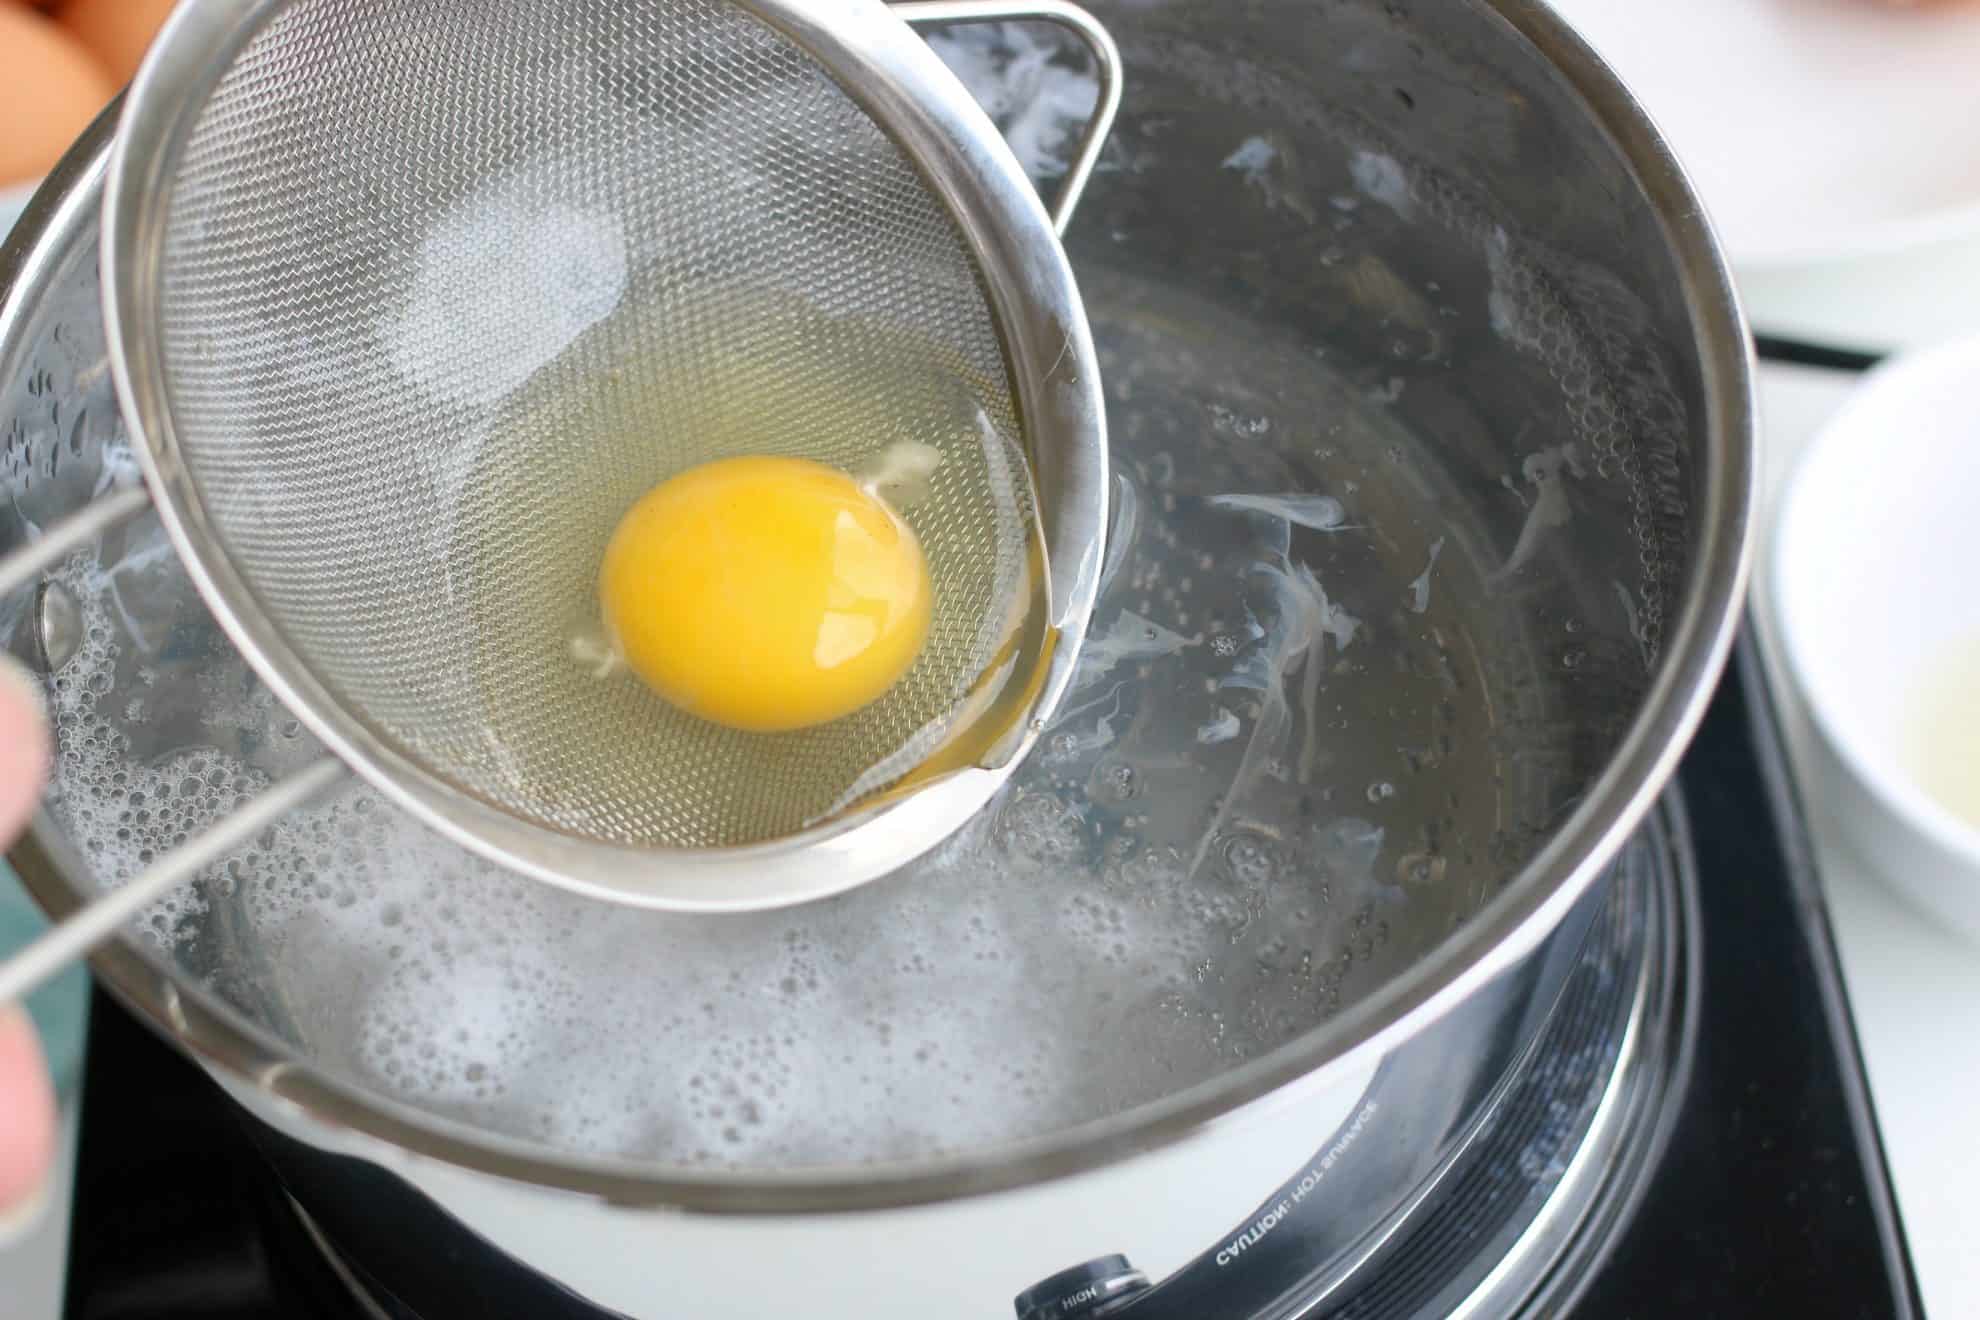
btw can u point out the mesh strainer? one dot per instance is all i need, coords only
(409, 299)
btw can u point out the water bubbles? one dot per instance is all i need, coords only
(1149, 875)
(1041, 829)
(1381, 791)
(1118, 782)
(1251, 860)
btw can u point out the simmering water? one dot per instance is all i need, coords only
(1207, 850)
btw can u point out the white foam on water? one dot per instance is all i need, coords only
(1383, 178)
(1130, 637)
(1268, 166)
(1019, 78)
(1546, 471)
(1419, 588)
(476, 993)
(1253, 156)
(1320, 513)
(1224, 727)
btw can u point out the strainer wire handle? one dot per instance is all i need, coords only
(95, 922)
(1106, 58)
(22, 566)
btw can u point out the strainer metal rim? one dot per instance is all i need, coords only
(877, 60)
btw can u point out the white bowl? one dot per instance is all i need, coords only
(1876, 581)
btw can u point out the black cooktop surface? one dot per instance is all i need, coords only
(1771, 1197)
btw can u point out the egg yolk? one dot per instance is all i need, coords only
(766, 594)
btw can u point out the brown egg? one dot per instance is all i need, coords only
(118, 32)
(50, 88)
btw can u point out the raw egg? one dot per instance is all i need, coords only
(50, 88)
(765, 594)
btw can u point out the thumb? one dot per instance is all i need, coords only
(24, 748)
(27, 1101)
(27, 1122)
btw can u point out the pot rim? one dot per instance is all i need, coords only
(1510, 926)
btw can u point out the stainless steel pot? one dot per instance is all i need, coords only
(1433, 437)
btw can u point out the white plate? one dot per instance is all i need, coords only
(1817, 130)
